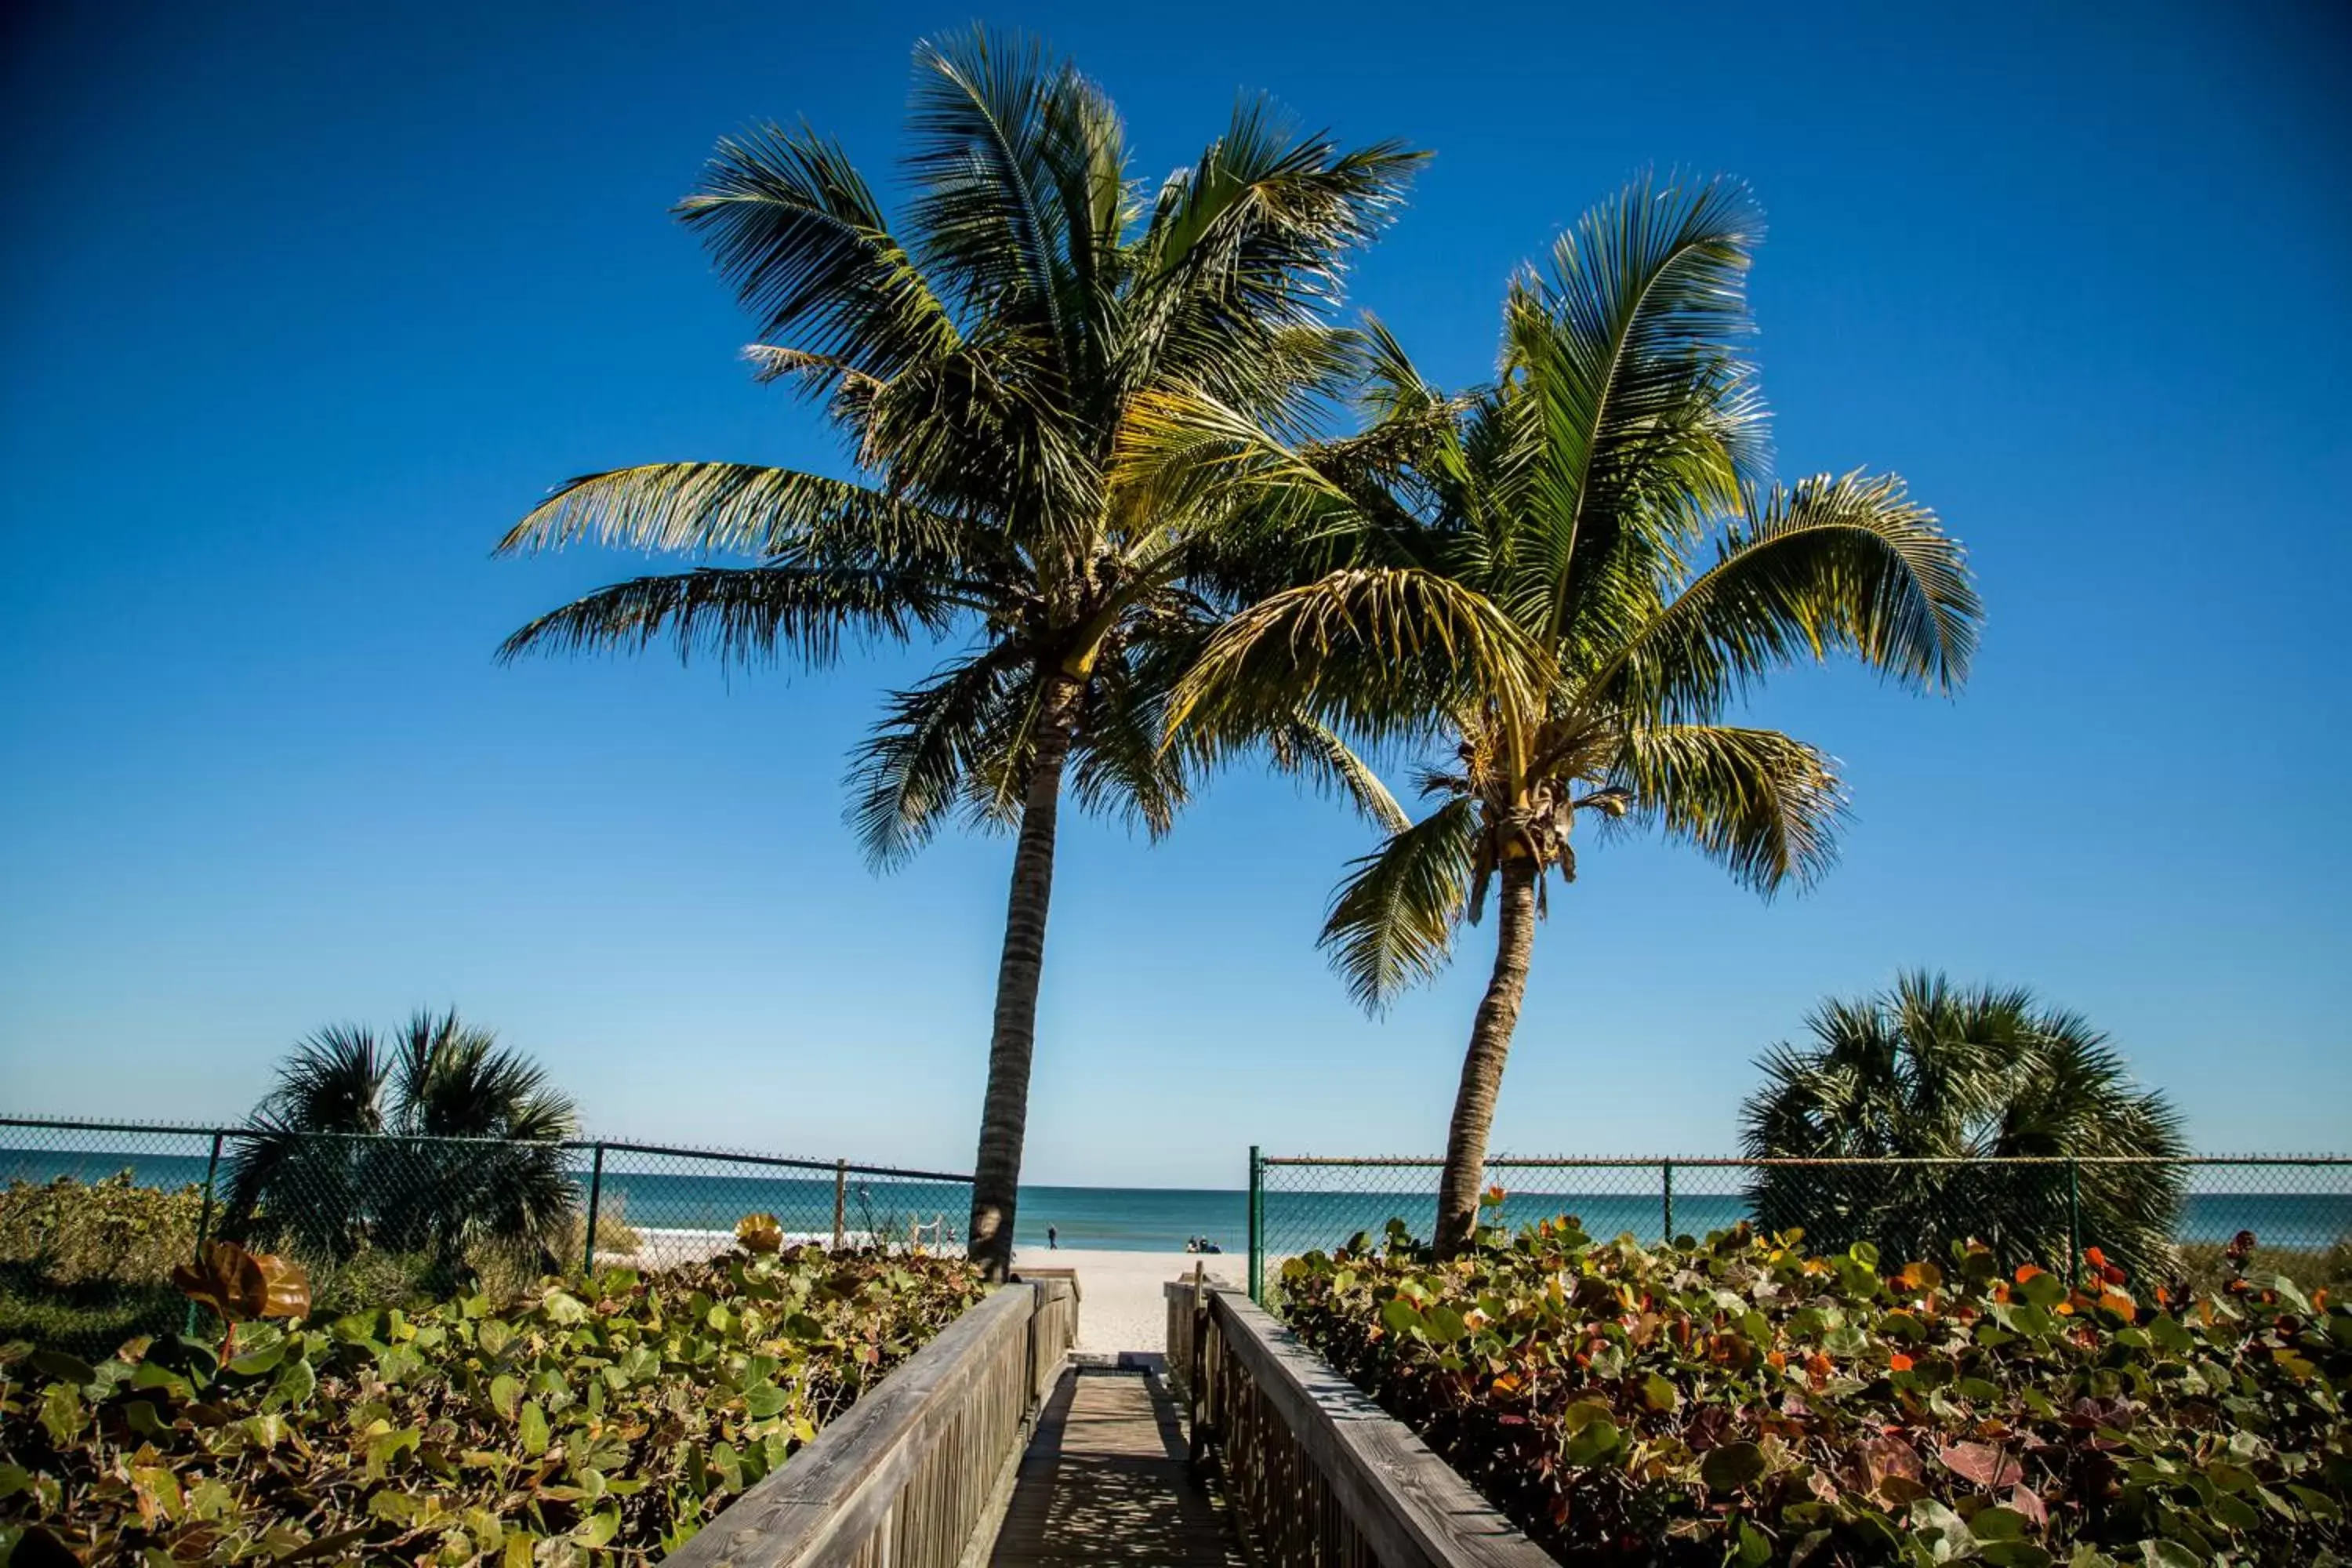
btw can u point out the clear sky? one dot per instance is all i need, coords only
(301, 305)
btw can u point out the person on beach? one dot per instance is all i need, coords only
(1053, 1240)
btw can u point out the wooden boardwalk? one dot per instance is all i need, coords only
(1106, 1480)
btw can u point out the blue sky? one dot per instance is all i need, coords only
(302, 306)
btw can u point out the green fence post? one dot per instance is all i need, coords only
(595, 1198)
(204, 1216)
(2073, 1225)
(1668, 1167)
(1257, 1226)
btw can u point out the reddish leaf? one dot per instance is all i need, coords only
(1982, 1463)
(2024, 1500)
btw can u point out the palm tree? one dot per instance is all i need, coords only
(982, 360)
(1568, 581)
(434, 1142)
(1934, 1071)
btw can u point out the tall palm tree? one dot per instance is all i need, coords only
(981, 360)
(431, 1141)
(1929, 1071)
(1567, 581)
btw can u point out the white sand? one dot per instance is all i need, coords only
(1121, 1306)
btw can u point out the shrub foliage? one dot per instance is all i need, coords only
(1740, 1401)
(596, 1422)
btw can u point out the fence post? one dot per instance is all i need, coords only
(1667, 1166)
(2073, 1225)
(595, 1199)
(1257, 1226)
(840, 1202)
(205, 1215)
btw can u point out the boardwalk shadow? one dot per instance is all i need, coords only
(1106, 1480)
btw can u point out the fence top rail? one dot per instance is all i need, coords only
(582, 1145)
(852, 1166)
(1621, 1163)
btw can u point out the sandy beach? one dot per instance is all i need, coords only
(1120, 1303)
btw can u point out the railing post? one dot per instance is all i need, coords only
(1257, 1226)
(840, 1202)
(595, 1200)
(205, 1215)
(2073, 1225)
(1667, 1166)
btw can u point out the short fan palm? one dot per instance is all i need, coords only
(434, 1142)
(1931, 1071)
(982, 360)
(1567, 581)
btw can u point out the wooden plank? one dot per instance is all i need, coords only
(1411, 1507)
(1106, 1480)
(839, 1491)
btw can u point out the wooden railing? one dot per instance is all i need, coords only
(918, 1467)
(1315, 1471)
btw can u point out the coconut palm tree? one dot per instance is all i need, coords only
(981, 358)
(1930, 1071)
(431, 1141)
(1566, 582)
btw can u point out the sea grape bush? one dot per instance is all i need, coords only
(1740, 1401)
(595, 1421)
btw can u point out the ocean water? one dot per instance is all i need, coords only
(710, 1196)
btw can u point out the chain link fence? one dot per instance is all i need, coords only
(2153, 1217)
(94, 1215)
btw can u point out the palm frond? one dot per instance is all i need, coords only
(1315, 753)
(1764, 805)
(1640, 417)
(731, 509)
(1847, 564)
(742, 616)
(1381, 653)
(332, 1083)
(1392, 918)
(793, 227)
(988, 206)
(917, 762)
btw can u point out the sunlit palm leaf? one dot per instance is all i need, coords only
(1848, 565)
(1392, 918)
(1765, 806)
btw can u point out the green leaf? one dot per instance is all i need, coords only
(534, 1429)
(2043, 1289)
(1998, 1524)
(1399, 1318)
(598, 1528)
(2160, 1553)
(1755, 1547)
(1659, 1394)
(1731, 1466)
(763, 1400)
(1594, 1441)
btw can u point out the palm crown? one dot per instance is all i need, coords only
(433, 1140)
(1936, 1071)
(982, 362)
(1567, 579)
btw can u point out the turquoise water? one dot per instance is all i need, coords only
(701, 1195)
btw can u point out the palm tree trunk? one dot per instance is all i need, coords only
(1004, 1110)
(1481, 1067)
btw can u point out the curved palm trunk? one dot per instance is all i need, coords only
(1005, 1108)
(1482, 1067)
